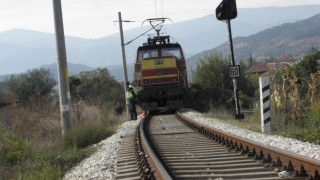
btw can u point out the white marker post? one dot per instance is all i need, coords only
(264, 83)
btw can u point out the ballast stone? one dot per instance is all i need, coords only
(288, 144)
(102, 164)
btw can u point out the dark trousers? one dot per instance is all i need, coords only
(133, 111)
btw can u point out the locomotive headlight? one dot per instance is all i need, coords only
(145, 81)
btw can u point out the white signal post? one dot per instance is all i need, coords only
(265, 105)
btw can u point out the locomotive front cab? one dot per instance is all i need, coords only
(160, 74)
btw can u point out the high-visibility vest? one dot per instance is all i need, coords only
(129, 95)
(130, 86)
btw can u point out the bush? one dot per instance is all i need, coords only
(33, 84)
(86, 135)
(14, 147)
(315, 116)
(53, 163)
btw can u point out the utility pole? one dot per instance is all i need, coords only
(63, 78)
(124, 62)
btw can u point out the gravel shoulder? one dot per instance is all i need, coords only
(101, 165)
(288, 144)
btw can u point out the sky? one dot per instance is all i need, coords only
(94, 18)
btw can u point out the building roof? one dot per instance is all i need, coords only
(258, 68)
(266, 74)
(5, 99)
(271, 65)
(285, 59)
(284, 65)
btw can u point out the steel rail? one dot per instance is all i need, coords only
(301, 165)
(158, 169)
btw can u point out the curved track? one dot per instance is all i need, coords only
(181, 152)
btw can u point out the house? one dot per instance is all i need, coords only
(289, 60)
(258, 68)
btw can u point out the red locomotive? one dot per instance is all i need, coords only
(160, 74)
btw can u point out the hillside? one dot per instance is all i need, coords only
(24, 49)
(290, 38)
(74, 69)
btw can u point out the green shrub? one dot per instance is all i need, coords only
(315, 115)
(14, 147)
(56, 160)
(86, 135)
(46, 172)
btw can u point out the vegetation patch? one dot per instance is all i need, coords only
(31, 143)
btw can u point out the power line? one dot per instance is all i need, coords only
(106, 16)
(165, 27)
(155, 7)
(162, 8)
(142, 34)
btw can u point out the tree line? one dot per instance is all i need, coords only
(295, 92)
(93, 87)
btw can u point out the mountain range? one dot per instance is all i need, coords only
(21, 50)
(293, 39)
(74, 69)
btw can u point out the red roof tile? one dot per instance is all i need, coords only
(258, 68)
(285, 58)
(271, 65)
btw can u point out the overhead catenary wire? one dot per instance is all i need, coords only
(155, 7)
(165, 27)
(142, 34)
(106, 16)
(162, 8)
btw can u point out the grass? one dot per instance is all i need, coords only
(307, 130)
(31, 144)
(250, 122)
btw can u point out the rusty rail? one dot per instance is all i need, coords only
(301, 165)
(145, 153)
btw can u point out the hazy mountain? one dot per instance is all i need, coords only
(74, 69)
(21, 50)
(293, 39)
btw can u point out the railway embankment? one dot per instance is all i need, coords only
(103, 163)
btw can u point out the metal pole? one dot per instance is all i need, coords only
(235, 88)
(63, 78)
(124, 63)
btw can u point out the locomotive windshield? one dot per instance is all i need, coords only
(154, 53)
(169, 52)
(144, 54)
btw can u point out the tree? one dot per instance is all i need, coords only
(96, 87)
(214, 85)
(1, 86)
(33, 84)
(212, 75)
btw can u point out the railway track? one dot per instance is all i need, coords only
(175, 147)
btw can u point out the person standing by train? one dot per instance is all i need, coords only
(131, 96)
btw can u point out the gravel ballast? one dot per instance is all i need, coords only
(292, 145)
(102, 164)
